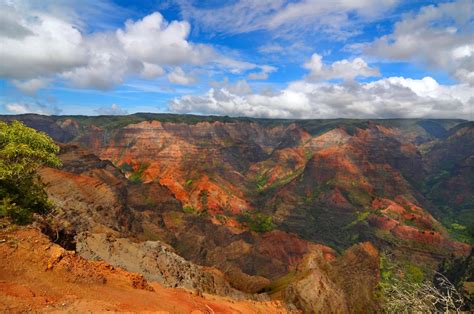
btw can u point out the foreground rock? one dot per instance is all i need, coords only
(37, 276)
(158, 262)
(344, 285)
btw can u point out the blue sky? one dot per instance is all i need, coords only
(277, 59)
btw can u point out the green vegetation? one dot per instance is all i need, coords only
(22, 152)
(125, 167)
(257, 221)
(463, 233)
(117, 122)
(136, 176)
(357, 196)
(262, 180)
(222, 219)
(286, 179)
(189, 209)
(392, 271)
(406, 288)
(361, 218)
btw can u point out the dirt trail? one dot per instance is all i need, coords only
(37, 275)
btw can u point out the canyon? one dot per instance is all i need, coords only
(274, 215)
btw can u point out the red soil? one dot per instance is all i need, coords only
(37, 275)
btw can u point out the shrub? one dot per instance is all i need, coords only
(403, 288)
(189, 209)
(257, 222)
(22, 152)
(17, 214)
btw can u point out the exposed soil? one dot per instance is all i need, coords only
(38, 275)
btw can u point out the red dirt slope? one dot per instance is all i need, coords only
(37, 275)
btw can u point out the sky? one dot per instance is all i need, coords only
(266, 58)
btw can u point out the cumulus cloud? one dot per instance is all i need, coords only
(38, 45)
(440, 37)
(107, 64)
(394, 97)
(114, 109)
(39, 108)
(241, 87)
(178, 76)
(343, 69)
(29, 44)
(154, 40)
(151, 70)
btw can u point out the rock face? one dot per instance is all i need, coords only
(89, 193)
(157, 262)
(92, 196)
(346, 284)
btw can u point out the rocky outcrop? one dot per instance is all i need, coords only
(313, 291)
(357, 272)
(346, 284)
(89, 193)
(39, 276)
(157, 262)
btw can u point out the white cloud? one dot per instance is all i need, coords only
(282, 17)
(235, 66)
(154, 40)
(178, 76)
(37, 45)
(114, 109)
(343, 69)
(47, 45)
(240, 88)
(107, 64)
(17, 108)
(263, 74)
(20, 108)
(394, 97)
(151, 70)
(439, 37)
(30, 87)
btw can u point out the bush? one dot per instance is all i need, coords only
(257, 222)
(17, 214)
(403, 288)
(22, 152)
(189, 209)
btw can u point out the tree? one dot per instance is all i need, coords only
(23, 151)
